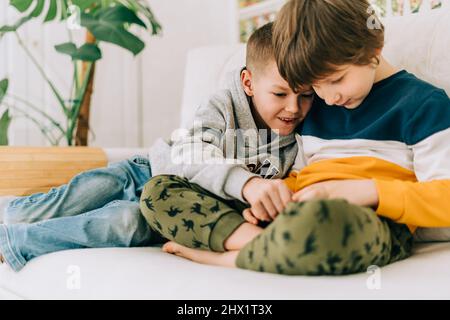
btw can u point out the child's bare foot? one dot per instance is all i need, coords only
(225, 259)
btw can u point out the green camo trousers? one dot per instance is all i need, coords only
(321, 237)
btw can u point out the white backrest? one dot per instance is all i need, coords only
(419, 43)
(206, 70)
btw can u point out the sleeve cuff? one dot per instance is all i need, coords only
(391, 202)
(291, 181)
(224, 227)
(235, 181)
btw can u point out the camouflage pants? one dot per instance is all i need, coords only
(323, 237)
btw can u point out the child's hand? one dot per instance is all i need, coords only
(249, 217)
(266, 197)
(358, 192)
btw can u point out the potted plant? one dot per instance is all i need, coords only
(104, 21)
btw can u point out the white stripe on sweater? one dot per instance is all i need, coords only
(429, 159)
(432, 157)
(316, 149)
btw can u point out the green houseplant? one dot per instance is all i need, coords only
(104, 21)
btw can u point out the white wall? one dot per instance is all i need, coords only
(25, 80)
(192, 24)
(135, 100)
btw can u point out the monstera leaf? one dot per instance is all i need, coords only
(55, 8)
(14, 27)
(5, 120)
(58, 8)
(52, 9)
(3, 89)
(104, 21)
(108, 25)
(107, 20)
(87, 52)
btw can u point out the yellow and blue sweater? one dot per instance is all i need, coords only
(399, 136)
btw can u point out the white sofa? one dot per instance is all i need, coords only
(419, 43)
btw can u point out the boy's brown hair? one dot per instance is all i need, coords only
(311, 38)
(260, 49)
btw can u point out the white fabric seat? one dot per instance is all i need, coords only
(148, 273)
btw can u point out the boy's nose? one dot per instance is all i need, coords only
(332, 99)
(293, 106)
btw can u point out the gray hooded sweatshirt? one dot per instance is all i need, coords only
(224, 148)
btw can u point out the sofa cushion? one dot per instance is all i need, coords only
(149, 273)
(420, 43)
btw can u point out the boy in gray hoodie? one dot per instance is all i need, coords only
(241, 145)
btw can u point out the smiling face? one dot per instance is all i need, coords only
(348, 86)
(275, 105)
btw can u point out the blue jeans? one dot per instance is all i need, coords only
(96, 209)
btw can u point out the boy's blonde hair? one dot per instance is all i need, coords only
(260, 49)
(311, 38)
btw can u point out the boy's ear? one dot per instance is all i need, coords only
(246, 80)
(378, 51)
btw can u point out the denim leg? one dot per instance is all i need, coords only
(118, 224)
(87, 191)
